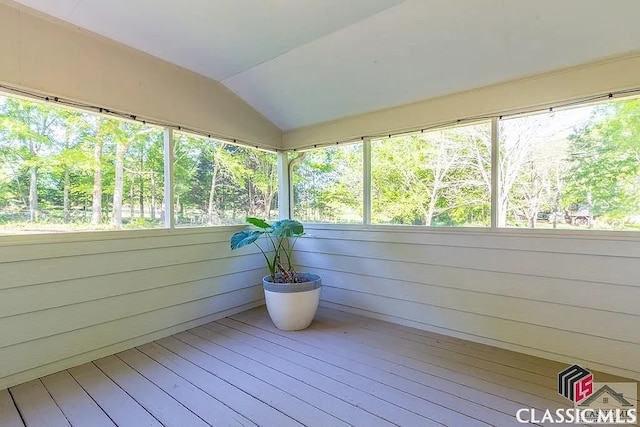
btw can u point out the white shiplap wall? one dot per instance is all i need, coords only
(69, 299)
(569, 297)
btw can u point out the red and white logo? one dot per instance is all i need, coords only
(593, 403)
(575, 383)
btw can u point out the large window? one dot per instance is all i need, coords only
(65, 170)
(69, 170)
(327, 185)
(572, 169)
(437, 178)
(217, 183)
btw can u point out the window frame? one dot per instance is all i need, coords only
(366, 177)
(285, 192)
(168, 228)
(494, 228)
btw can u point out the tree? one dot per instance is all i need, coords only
(538, 185)
(102, 134)
(62, 162)
(30, 128)
(72, 158)
(604, 160)
(124, 134)
(439, 177)
(533, 152)
(218, 183)
(328, 185)
(263, 179)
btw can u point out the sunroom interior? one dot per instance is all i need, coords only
(455, 308)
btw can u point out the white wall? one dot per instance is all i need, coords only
(42, 54)
(72, 298)
(568, 297)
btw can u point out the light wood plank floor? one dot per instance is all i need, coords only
(241, 371)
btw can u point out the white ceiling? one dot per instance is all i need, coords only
(301, 62)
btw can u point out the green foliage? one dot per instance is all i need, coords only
(81, 170)
(78, 170)
(257, 222)
(604, 163)
(244, 238)
(281, 237)
(219, 183)
(287, 228)
(327, 185)
(435, 178)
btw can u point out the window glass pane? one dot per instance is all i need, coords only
(66, 170)
(437, 178)
(217, 183)
(575, 169)
(327, 185)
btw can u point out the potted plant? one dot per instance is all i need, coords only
(292, 298)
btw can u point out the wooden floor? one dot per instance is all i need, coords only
(344, 370)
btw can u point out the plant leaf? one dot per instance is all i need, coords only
(244, 238)
(257, 222)
(288, 228)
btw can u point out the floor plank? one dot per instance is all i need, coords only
(257, 389)
(434, 354)
(196, 400)
(378, 396)
(122, 409)
(158, 403)
(483, 351)
(37, 407)
(438, 354)
(9, 416)
(429, 402)
(289, 404)
(344, 334)
(242, 371)
(413, 369)
(542, 368)
(238, 400)
(380, 369)
(79, 408)
(324, 393)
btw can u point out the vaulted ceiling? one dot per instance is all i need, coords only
(301, 62)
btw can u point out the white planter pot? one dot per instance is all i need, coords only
(292, 306)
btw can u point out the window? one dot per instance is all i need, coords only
(65, 170)
(217, 183)
(569, 169)
(327, 185)
(572, 169)
(437, 178)
(605, 400)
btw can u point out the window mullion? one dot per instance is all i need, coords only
(366, 180)
(169, 220)
(495, 173)
(284, 186)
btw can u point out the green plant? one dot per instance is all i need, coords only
(278, 237)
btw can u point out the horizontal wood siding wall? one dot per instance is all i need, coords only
(568, 298)
(69, 299)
